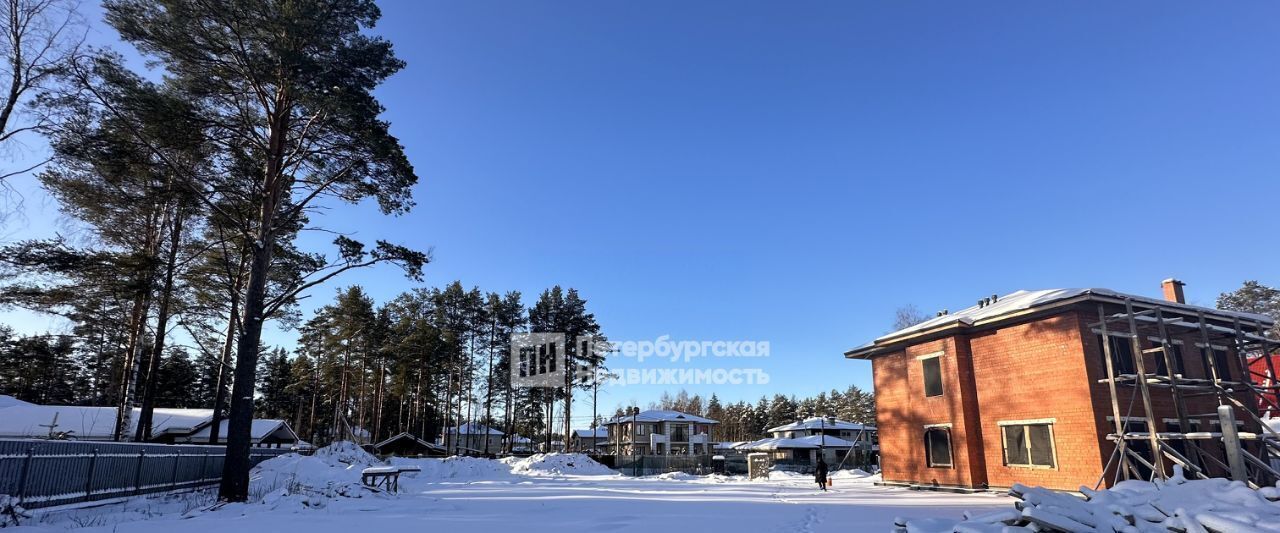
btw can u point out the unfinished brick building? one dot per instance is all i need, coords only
(1023, 389)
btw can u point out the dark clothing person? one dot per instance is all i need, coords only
(820, 475)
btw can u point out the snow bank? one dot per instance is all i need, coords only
(347, 453)
(1175, 505)
(557, 464)
(333, 472)
(455, 469)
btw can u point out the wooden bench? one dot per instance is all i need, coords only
(385, 477)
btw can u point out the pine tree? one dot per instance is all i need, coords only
(314, 133)
(276, 400)
(174, 381)
(1254, 297)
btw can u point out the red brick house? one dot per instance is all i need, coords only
(1015, 389)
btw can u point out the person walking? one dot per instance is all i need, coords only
(820, 474)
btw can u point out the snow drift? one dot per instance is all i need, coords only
(1178, 504)
(557, 464)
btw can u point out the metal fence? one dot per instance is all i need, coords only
(43, 473)
(648, 465)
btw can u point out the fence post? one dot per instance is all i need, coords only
(26, 469)
(1231, 441)
(137, 472)
(173, 482)
(88, 482)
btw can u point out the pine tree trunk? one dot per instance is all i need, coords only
(488, 389)
(143, 433)
(235, 472)
(233, 320)
(448, 413)
(137, 325)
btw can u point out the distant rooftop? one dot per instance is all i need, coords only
(817, 422)
(658, 415)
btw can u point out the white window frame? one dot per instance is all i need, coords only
(951, 449)
(1053, 442)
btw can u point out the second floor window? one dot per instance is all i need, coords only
(1175, 354)
(1220, 364)
(932, 376)
(1121, 355)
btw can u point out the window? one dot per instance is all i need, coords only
(644, 429)
(932, 376)
(1121, 355)
(1175, 354)
(1219, 362)
(1028, 444)
(937, 446)
(1174, 426)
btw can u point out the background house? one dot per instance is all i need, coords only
(1016, 389)
(472, 439)
(25, 420)
(408, 445)
(590, 440)
(659, 432)
(839, 442)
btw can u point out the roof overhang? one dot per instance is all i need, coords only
(893, 343)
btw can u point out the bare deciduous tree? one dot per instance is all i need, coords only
(40, 37)
(907, 316)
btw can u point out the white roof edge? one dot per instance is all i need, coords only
(1022, 300)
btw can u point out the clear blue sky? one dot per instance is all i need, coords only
(793, 172)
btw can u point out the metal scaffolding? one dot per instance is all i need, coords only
(1241, 448)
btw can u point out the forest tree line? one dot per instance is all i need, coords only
(426, 360)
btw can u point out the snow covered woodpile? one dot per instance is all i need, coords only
(1178, 504)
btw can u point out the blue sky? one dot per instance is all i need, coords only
(793, 172)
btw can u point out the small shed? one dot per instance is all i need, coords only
(407, 445)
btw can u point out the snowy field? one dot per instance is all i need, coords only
(555, 493)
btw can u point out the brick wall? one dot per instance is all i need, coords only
(1043, 368)
(903, 411)
(1035, 371)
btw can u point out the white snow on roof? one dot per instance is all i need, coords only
(1023, 300)
(179, 420)
(600, 433)
(817, 422)
(809, 442)
(261, 429)
(407, 435)
(474, 429)
(659, 415)
(31, 420)
(22, 421)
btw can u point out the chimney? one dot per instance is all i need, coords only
(1173, 290)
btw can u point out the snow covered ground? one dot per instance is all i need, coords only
(552, 493)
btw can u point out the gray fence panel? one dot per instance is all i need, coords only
(44, 473)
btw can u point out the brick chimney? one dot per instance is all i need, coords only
(1173, 290)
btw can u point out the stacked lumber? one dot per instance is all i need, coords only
(1177, 504)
